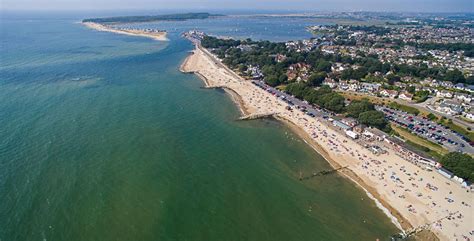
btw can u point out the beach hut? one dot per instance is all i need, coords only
(445, 173)
(341, 125)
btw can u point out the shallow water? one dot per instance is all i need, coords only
(104, 139)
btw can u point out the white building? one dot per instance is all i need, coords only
(405, 96)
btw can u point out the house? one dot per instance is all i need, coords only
(463, 97)
(245, 47)
(369, 87)
(255, 72)
(298, 71)
(447, 84)
(470, 88)
(434, 83)
(338, 67)
(418, 87)
(470, 115)
(459, 86)
(444, 94)
(400, 84)
(389, 93)
(280, 58)
(353, 85)
(450, 107)
(406, 96)
(330, 82)
(343, 85)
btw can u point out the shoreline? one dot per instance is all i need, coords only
(409, 207)
(397, 219)
(159, 36)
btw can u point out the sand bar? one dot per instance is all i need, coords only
(159, 36)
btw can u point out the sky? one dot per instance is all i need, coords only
(295, 5)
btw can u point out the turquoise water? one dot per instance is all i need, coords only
(104, 139)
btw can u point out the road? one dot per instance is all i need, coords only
(293, 102)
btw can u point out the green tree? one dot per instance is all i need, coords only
(355, 108)
(432, 117)
(323, 66)
(283, 78)
(455, 76)
(391, 79)
(316, 79)
(333, 101)
(373, 118)
(272, 80)
(242, 68)
(346, 74)
(470, 79)
(462, 165)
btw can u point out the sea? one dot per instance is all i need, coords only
(103, 138)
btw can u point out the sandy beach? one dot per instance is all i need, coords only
(409, 195)
(159, 36)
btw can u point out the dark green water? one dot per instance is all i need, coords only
(102, 138)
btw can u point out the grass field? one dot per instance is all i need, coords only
(373, 99)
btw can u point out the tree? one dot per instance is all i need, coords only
(272, 80)
(462, 165)
(431, 117)
(316, 79)
(391, 79)
(283, 78)
(422, 95)
(297, 89)
(470, 79)
(242, 68)
(323, 66)
(333, 102)
(355, 108)
(373, 118)
(346, 74)
(455, 76)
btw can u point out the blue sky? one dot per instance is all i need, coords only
(297, 5)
